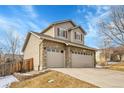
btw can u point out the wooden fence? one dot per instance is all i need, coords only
(12, 67)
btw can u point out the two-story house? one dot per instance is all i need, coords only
(60, 45)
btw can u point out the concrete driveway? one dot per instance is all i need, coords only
(101, 77)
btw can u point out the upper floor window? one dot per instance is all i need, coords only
(61, 32)
(78, 36)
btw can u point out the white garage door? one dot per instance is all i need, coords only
(81, 60)
(55, 58)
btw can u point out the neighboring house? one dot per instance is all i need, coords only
(60, 45)
(113, 54)
(103, 54)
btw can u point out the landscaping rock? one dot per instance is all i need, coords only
(51, 81)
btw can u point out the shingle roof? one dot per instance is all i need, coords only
(76, 27)
(41, 35)
(61, 40)
(64, 21)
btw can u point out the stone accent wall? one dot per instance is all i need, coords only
(42, 57)
(67, 52)
(68, 57)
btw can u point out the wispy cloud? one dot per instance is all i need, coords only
(81, 9)
(7, 24)
(29, 18)
(30, 11)
(24, 19)
(91, 18)
(33, 18)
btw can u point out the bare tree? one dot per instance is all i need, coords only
(1, 52)
(113, 25)
(118, 53)
(12, 43)
(105, 44)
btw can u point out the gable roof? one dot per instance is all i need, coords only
(64, 21)
(76, 27)
(26, 41)
(42, 36)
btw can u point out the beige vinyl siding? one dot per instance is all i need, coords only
(70, 34)
(50, 32)
(32, 50)
(66, 25)
(73, 36)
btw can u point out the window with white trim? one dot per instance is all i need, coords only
(78, 36)
(61, 32)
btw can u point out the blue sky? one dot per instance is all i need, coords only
(21, 19)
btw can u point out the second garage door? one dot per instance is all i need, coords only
(81, 60)
(55, 58)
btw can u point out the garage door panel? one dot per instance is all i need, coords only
(82, 60)
(55, 59)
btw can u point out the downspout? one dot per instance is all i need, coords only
(39, 55)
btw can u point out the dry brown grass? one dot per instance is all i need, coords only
(60, 81)
(119, 67)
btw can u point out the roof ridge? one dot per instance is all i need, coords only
(60, 21)
(65, 41)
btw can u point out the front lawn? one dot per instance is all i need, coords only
(119, 67)
(52, 79)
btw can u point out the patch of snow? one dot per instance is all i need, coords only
(7, 80)
(25, 74)
(113, 62)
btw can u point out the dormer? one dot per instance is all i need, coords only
(62, 30)
(77, 35)
(66, 30)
